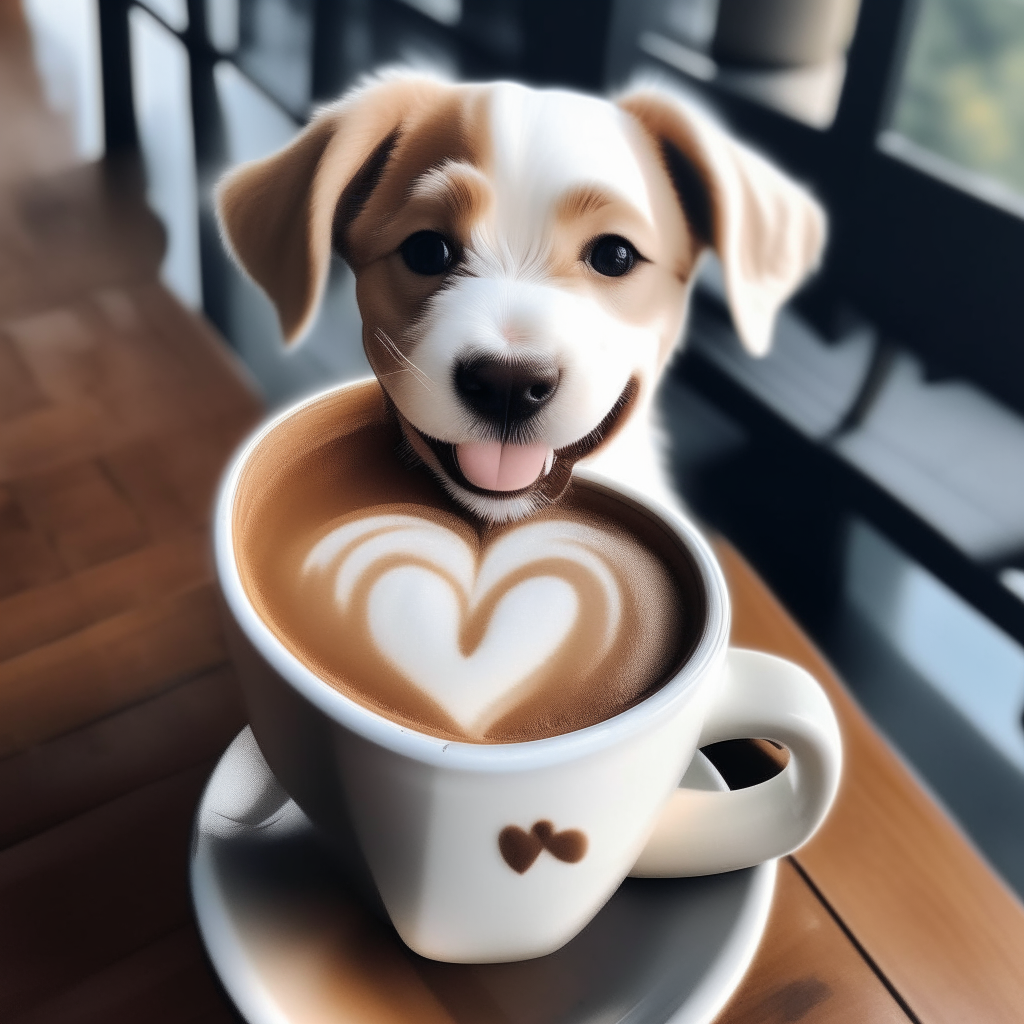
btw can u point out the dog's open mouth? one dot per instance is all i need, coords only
(498, 470)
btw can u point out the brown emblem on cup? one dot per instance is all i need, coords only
(521, 848)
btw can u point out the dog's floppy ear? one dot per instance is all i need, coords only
(277, 214)
(768, 231)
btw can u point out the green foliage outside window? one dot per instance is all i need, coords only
(962, 94)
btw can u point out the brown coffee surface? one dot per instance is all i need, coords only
(337, 469)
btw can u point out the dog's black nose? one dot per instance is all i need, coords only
(504, 391)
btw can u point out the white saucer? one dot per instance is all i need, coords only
(293, 946)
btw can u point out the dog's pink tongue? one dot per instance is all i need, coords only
(502, 467)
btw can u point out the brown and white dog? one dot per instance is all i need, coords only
(523, 262)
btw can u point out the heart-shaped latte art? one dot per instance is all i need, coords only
(471, 631)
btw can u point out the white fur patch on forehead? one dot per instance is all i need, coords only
(548, 142)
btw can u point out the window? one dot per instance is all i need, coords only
(961, 97)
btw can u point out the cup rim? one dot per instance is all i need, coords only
(460, 754)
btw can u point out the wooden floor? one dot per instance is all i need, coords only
(118, 409)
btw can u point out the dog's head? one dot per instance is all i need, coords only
(523, 259)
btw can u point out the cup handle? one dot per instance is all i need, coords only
(702, 833)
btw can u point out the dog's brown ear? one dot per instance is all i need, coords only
(767, 230)
(277, 214)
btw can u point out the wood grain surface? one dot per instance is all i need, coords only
(118, 409)
(937, 923)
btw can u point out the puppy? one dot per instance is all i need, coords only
(523, 262)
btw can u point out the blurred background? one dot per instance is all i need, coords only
(871, 467)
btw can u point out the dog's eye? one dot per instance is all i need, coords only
(427, 253)
(613, 256)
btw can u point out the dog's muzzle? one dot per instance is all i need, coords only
(553, 477)
(505, 395)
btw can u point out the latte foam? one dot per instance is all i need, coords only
(367, 572)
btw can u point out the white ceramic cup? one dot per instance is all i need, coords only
(423, 815)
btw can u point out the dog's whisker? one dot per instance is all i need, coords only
(411, 367)
(394, 372)
(383, 337)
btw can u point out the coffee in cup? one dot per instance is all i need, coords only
(368, 573)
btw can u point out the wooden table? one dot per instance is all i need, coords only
(118, 409)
